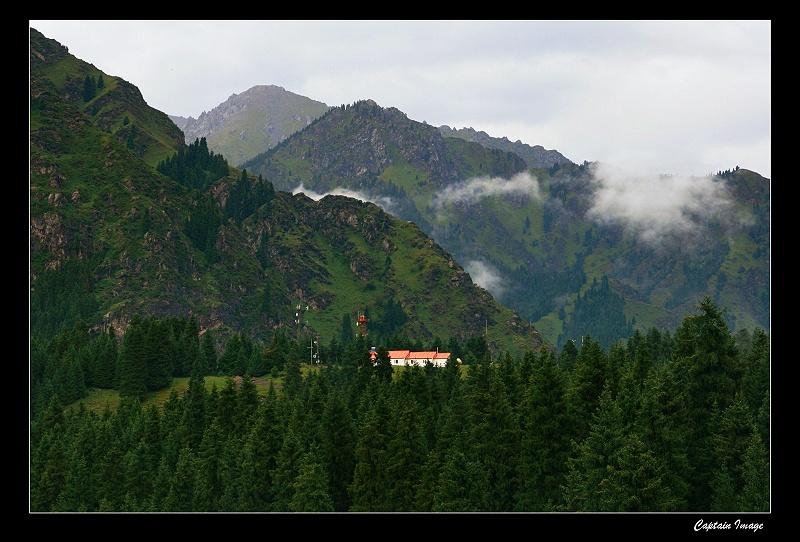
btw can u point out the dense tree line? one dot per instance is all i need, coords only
(195, 166)
(599, 312)
(535, 293)
(62, 296)
(659, 422)
(202, 225)
(245, 197)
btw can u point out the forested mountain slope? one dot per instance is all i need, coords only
(668, 423)
(127, 220)
(152, 262)
(570, 247)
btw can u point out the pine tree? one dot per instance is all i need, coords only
(247, 402)
(590, 477)
(132, 369)
(161, 486)
(337, 449)
(159, 353)
(73, 498)
(407, 451)
(314, 397)
(180, 497)
(545, 445)
(463, 485)
(755, 379)
(288, 462)
(188, 344)
(107, 468)
(383, 365)
(661, 423)
(48, 470)
(732, 433)
(225, 409)
(195, 413)
(292, 380)
(209, 353)
(370, 486)
(311, 485)
(106, 360)
(253, 489)
(209, 484)
(232, 361)
(755, 495)
(89, 88)
(139, 472)
(428, 483)
(175, 435)
(586, 384)
(568, 356)
(707, 367)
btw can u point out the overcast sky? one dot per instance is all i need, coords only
(672, 97)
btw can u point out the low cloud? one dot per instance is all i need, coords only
(483, 187)
(656, 206)
(487, 277)
(383, 202)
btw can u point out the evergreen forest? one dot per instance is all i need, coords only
(660, 422)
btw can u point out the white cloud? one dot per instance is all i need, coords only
(478, 188)
(486, 276)
(383, 202)
(675, 97)
(656, 206)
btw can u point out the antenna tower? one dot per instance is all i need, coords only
(361, 322)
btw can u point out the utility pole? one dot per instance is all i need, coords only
(314, 340)
(298, 319)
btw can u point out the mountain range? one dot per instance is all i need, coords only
(549, 238)
(259, 118)
(371, 211)
(113, 238)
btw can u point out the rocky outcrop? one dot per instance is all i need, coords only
(535, 156)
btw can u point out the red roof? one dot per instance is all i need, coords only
(409, 355)
(399, 354)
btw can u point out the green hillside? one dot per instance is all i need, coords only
(531, 231)
(112, 237)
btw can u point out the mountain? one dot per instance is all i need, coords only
(535, 156)
(256, 120)
(113, 237)
(115, 110)
(552, 243)
(247, 124)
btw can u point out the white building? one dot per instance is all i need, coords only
(408, 357)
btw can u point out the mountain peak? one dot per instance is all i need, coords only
(251, 122)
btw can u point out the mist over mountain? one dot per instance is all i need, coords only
(540, 238)
(200, 333)
(128, 221)
(546, 237)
